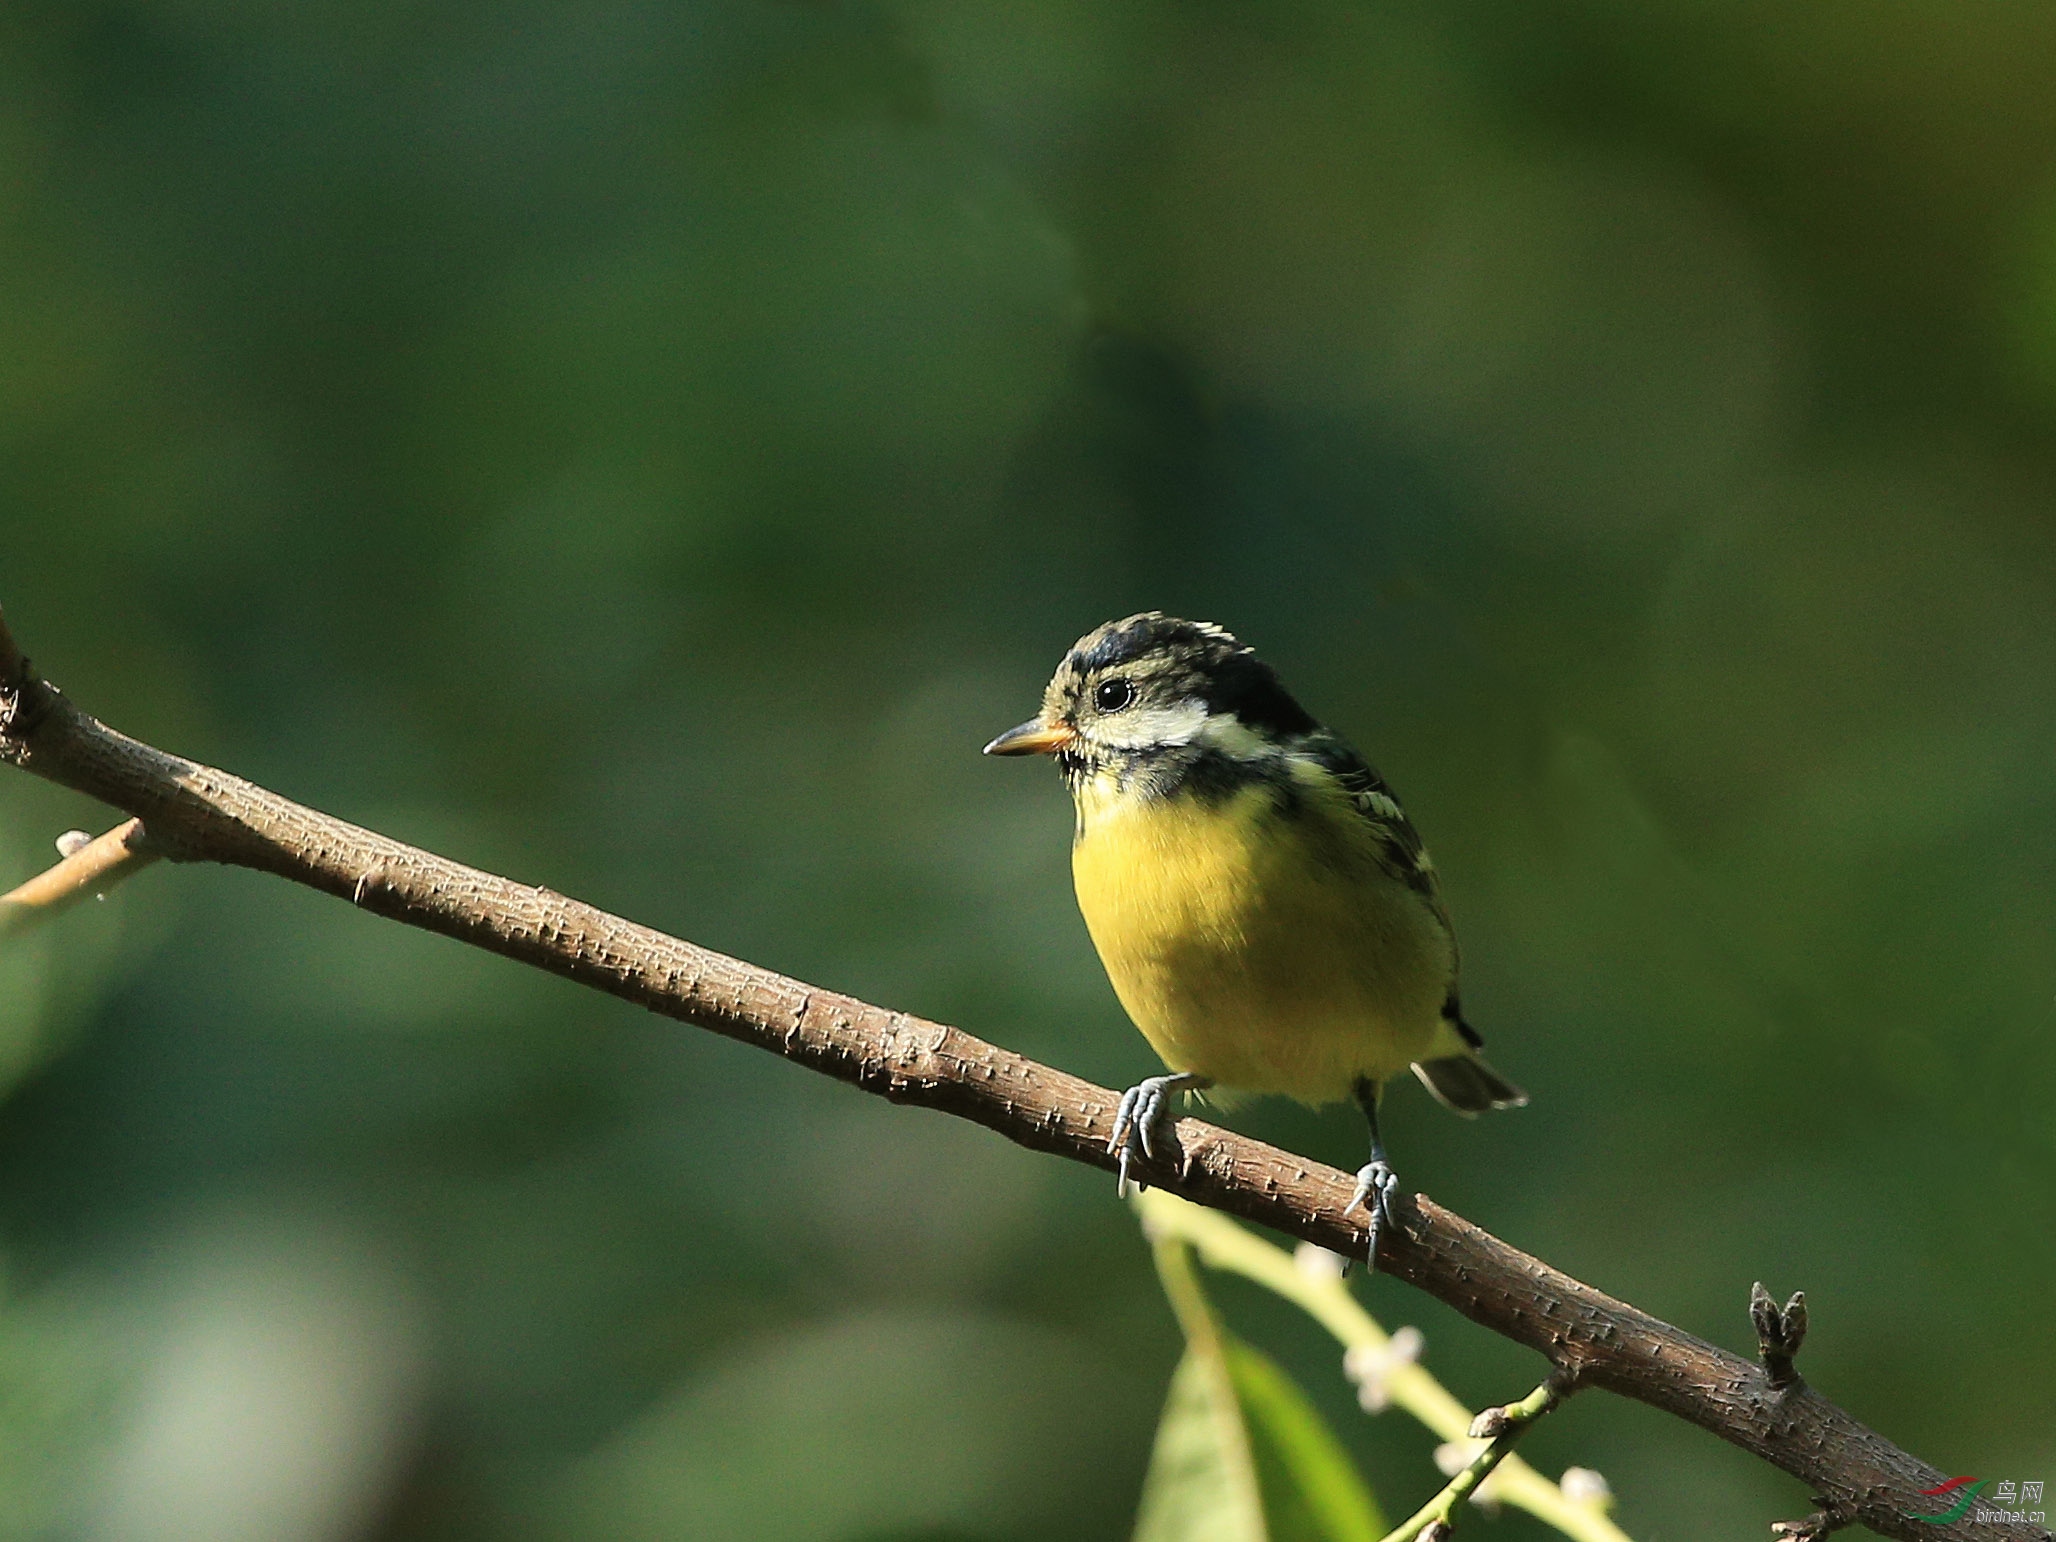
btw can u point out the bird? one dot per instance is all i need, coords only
(1266, 912)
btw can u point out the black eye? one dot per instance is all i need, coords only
(1112, 695)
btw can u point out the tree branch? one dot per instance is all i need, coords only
(196, 813)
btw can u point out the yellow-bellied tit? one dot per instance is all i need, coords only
(1264, 908)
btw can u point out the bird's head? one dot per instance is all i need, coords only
(1152, 684)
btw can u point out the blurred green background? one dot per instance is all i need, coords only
(647, 448)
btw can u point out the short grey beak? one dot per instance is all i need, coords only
(1033, 737)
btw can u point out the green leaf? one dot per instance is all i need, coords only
(1312, 1491)
(1202, 1477)
(1242, 1456)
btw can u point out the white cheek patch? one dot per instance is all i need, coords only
(1228, 734)
(1152, 727)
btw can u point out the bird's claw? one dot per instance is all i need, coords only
(1125, 1137)
(1376, 1183)
(1139, 1130)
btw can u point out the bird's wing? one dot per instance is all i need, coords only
(1393, 837)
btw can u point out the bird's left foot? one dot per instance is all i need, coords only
(1139, 1123)
(1376, 1183)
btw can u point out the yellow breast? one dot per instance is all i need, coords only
(1268, 951)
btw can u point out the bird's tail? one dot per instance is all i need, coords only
(1468, 1085)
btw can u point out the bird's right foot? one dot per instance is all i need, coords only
(1141, 1123)
(1376, 1183)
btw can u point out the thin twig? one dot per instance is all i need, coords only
(1327, 1298)
(196, 813)
(1499, 1428)
(1814, 1528)
(89, 868)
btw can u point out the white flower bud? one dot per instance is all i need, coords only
(1371, 1369)
(1453, 1456)
(1317, 1263)
(1486, 1495)
(1583, 1486)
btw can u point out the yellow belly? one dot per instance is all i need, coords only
(1269, 953)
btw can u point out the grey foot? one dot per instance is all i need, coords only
(1376, 1183)
(1141, 1123)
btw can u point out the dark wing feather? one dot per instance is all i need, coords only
(1401, 842)
(1374, 801)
